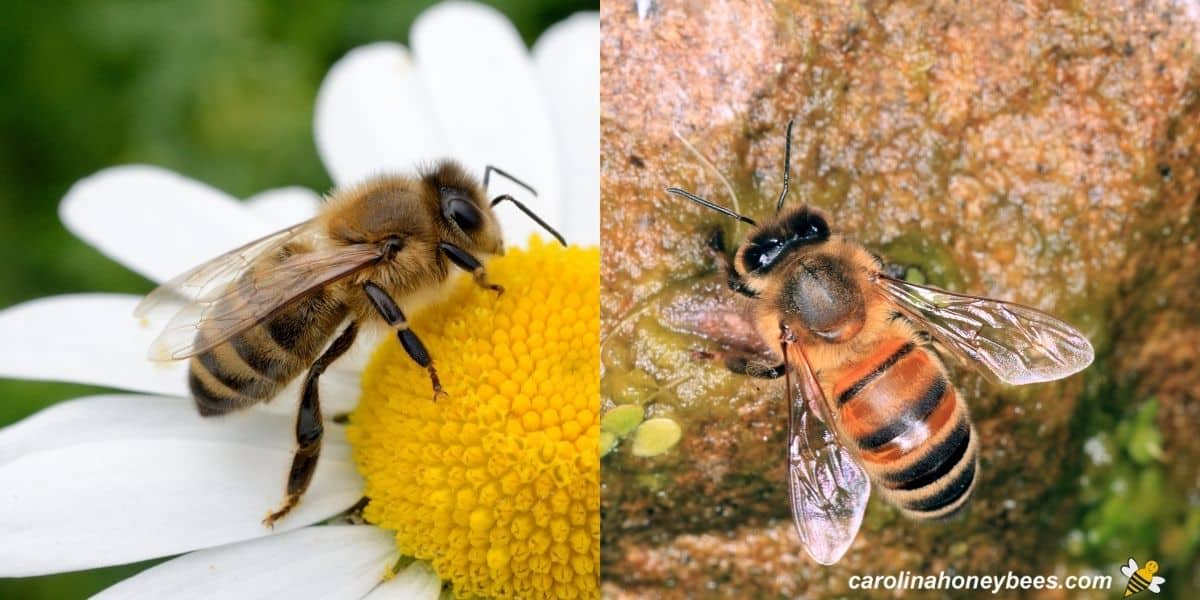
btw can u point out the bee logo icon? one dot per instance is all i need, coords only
(1143, 578)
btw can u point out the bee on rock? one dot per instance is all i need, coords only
(258, 316)
(869, 400)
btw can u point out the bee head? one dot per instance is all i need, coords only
(774, 243)
(467, 219)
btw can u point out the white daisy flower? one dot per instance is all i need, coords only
(125, 477)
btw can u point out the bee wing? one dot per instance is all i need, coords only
(1013, 343)
(248, 300)
(1130, 568)
(213, 276)
(1154, 583)
(828, 488)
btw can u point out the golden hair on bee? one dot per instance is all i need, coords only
(442, 204)
(256, 317)
(869, 400)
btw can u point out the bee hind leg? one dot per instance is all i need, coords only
(391, 313)
(743, 364)
(309, 427)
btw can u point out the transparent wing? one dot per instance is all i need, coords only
(1010, 342)
(1129, 569)
(829, 490)
(212, 277)
(255, 295)
(1155, 583)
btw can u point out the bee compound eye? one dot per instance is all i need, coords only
(465, 214)
(761, 255)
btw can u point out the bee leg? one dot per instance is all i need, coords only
(309, 427)
(716, 246)
(737, 284)
(408, 340)
(354, 514)
(743, 364)
(891, 269)
(470, 264)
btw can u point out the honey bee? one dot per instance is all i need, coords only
(869, 400)
(256, 317)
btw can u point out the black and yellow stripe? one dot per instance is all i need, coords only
(1137, 584)
(893, 357)
(911, 430)
(257, 363)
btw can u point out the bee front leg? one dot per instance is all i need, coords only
(309, 426)
(408, 340)
(470, 264)
(716, 247)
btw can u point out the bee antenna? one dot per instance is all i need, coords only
(704, 161)
(487, 174)
(787, 160)
(498, 199)
(707, 204)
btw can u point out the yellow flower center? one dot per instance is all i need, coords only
(496, 485)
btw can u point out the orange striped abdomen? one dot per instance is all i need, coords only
(910, 428)
(257, 363)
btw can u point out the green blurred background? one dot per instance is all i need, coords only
(220, 91)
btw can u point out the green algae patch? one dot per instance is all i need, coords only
(1143, 440)
(915, 275)
(1128, 505)
(608, 441)
(622, 420)
(925, 261)
(656, 436)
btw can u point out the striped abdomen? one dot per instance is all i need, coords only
(1137, 584)
(910, 427)
(255, 364)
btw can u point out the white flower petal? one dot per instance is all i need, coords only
(94, 339)
(283, 207)
(156, 222)
(85, 338)
(568, 63)
(416, 582)
(489, 103)
(119, 501)
(132, 417)
(315, 562)
(373, 115)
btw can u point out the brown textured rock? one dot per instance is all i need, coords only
(1019, 150)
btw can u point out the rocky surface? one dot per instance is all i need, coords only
(1044, 154)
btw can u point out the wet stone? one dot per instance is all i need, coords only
(1038, 154)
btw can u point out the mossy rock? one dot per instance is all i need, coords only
(1048, 158)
